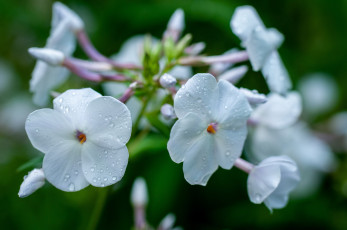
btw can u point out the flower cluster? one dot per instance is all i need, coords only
(83, 138)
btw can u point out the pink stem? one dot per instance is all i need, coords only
(243, 165)
(127, 95)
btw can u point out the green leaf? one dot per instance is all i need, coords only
(33, 163)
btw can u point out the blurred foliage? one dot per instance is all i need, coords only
(315, 41)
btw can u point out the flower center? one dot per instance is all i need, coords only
(212, 128)
(81, 137)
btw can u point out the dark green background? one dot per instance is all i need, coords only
(315, 41)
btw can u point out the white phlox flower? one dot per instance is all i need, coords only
(272, 180)
(32, 182)
(279, 111)
(211, 127)
(313, 156)
(261, 45)
(83, 138)
(62, 38)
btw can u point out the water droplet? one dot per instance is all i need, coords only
(92, 169)
(225, 107)
(99, 178)
(76, 172)
(94, 179)
(60, 100)
(71, 187)
(114, 178)
(67, 176)
(227, 153)
(257, 198)
(105, 179)
(111, 125)
(102, 185)
(37, 130)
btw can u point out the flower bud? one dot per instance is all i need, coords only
(253, 96)
(176, 22)
(168, 222)
(50, 56)
(139, 196)
(168, 112)
(235, 74)
(167, 81)
(32, 182)
(195, 48)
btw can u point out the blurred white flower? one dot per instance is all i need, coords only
(139, 194)
(261, 45)
(168, 112)
(175, 25)
(167, 81)
(32, 182)
(211, 127)
(83, 138)
(319, 93)
(279, 111)
(167, 222)
(45, 77)
(313, 156)
(272, 180)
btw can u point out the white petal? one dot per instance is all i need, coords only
(276, 74)
(51, 56)
(253, 96)
(185, 133)
(262, 181)
(62, 166)
(107, 122)
(279, 111)
(259, 47)
(200, 161)
(229, 145)
(244, 20)
(44, 79)
(234, 75)
(103, 166)
(47, 128)
(234, 108)
(62, 12)
(61, 38)
(181, 72)
(73, 104)
(276, 201)
(198, 95)
(176, 21)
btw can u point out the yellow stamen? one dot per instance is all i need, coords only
(82, 138)
(211, 129)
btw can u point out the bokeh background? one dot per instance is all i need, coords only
(315, 41)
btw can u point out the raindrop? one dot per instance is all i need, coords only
(227, 153)
(92, 169)
(37, 130)
(105, 179)
(257, 198)
(102, 185)
(114, 178)
(71, 187)
(76, 172)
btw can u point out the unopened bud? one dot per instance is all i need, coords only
(176, 21)
(167, 81)
(195, 48)
(168, 112)
(32, 182)
(253, 96)
(168, 222)
(139, 196)
(51, 56)
(62, 12)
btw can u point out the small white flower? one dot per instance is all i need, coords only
(312, 156)
(50, 56)
(279, 111)
(32, 182)
(211, 127)
(83, 138)
(62, 38)
(139, 194)
(167, 80)
(261, 45)
(272, 180)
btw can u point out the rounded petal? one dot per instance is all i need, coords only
(107, 123)
(234, 108)
(103, 166)
(200, 161)
(184, 134)
(244, 20)
(47, 128)
(73, 104)
(62, 166)
(276, 75)
(229, 145)
(198, 95)
(262, 181)
(279, 111)
(276, 201)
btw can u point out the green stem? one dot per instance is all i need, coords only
(100, 202)
(143, 110)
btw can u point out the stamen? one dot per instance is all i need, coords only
(212, 128)
(81, 137)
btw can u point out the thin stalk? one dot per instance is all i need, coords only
(99, 206)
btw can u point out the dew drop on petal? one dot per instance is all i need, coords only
(92, 169)
(227, 153)
(71, 187)
(114, 178)
(257, 197)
